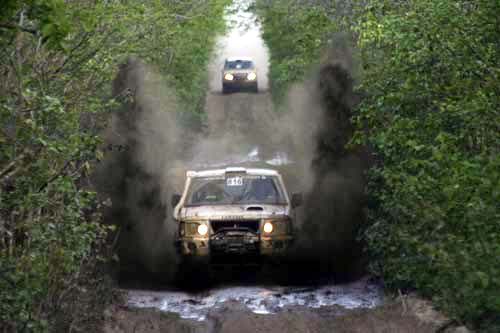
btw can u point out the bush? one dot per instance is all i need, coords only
(431, 113)
(432, 110)
(58, 60)
(295, 35)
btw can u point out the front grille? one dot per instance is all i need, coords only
(252, 225)
(240, 76)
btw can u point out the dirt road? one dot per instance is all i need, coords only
(257, 307)
(233, 316)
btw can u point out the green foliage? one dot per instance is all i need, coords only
(295, 35)
(58, 60)
(431, 113)
(432, 81)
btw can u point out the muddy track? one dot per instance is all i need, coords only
(241, 121)
(233, 317)
(243, 129)
(248, 114)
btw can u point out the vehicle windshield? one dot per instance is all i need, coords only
(239, 64)
(233, 190)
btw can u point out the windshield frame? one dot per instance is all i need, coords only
(243, 61)
(277, 181)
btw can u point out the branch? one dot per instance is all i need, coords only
(69, 56)
(12, 164)
(446, 325)
(17, 27)
(180, 17)
(54, 177)
(84, 58)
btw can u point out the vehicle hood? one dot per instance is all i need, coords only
(232, 212)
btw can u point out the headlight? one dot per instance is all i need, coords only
(202, 229)
(280, 226)
(251, 76)
(229, 77)
(268, 227)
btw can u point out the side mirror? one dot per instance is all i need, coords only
(175, 199)
(296, 200)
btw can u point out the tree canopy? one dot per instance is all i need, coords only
(58, 60)
(431, 113)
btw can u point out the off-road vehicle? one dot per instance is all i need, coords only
(239, 74)
(234, 212)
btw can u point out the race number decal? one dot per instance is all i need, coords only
(234, 181)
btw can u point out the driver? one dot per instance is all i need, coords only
(210, 192)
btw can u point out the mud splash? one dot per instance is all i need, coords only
(259, 299)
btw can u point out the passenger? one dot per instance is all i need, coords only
(262, 189)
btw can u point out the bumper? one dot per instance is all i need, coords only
(275, 246)
(193, 247)
(263, 246)
(239, 85)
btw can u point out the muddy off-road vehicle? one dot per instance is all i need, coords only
(234, 212)
(239, 74)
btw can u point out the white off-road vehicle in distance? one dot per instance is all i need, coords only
(234, 212)
(239, 74)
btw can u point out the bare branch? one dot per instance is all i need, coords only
(10, 26)
(54, 177)
(8, 168)
(69, 56)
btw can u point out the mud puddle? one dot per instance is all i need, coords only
(258, 299)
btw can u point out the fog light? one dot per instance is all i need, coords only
(268, 227)
(202, 229)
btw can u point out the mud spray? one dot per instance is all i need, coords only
(334, 176)
(142, 143)
(157, 150)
